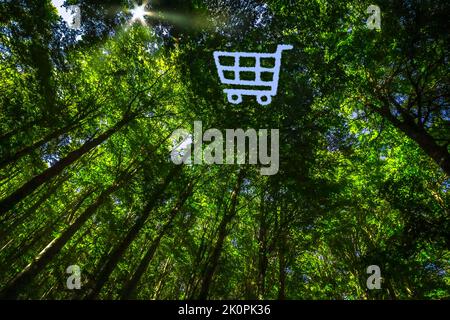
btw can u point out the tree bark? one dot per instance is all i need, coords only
(282, 273)
(130, 287)
(74, 123)
(161, 277)
(13, 288)
(439, 154)
(262, 254)
(24, 191)
(117, 253)
(6, 229)
(29, 149)
(227, 218)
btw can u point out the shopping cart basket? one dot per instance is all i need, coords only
(263, 96)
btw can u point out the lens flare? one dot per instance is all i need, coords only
(139, 13)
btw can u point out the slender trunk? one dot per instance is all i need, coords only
(39, 234)
(75, 122)
(26, 127)
(20, 219)
(193, 280)
(21, 193)
(117, 253)
(13, 288)
(282, 254)
(262, 255)
(203, 249)
(227, 218)
(130, 287)
(282, 274)
(160, 279)
(390, 289)
(44, 296)
(28, 243)
(29, 149)
(10, 175)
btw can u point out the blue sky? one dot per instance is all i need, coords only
(64, 12)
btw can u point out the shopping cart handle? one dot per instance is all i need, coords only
(282, 47)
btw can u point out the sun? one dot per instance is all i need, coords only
(139, 13)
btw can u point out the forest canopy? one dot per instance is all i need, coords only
(93, 207)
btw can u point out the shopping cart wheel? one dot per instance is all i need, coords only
(264, 100)
(234, 98)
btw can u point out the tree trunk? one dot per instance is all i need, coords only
(28, 150)
(26, 127)
(130, 287)
(161, 276)
(8, 229)
(39, 235)
(117, 253)
(21, 193)
(75, 122)
(282, 275)
(262, 254)
(282, 244)
(12, 289)
(417, 133)
(227, 218)
(193, 279)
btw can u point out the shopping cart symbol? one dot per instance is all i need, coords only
(263, 96)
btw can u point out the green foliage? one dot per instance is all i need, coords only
(364, 153)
